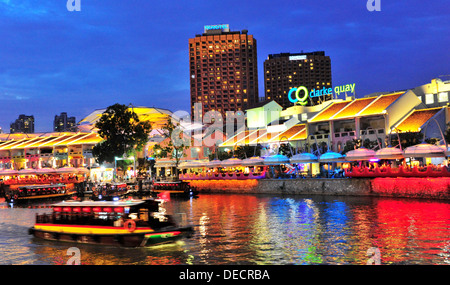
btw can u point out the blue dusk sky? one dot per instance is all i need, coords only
(136, 51)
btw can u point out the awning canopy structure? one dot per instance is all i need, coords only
(276, 159)
(253, 161)
(214, 163)
(389, 153)
(360, 154)
(424, 150)
(331, 156)
(49, 140)
(231, 162)
(192, 164)
(305, 157)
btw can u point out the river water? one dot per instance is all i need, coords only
(261, 230)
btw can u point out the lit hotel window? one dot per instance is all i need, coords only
(442, 96)
(429, 99)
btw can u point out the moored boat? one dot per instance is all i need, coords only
(132, 223)
(37, 192)
(175, 189)
(110, 191)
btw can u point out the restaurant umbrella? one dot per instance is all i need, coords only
(360, 154)
(214, 163)
(83, 170)
(192, 164)
(389, 153)
(234, 161)
(331, 156)
(27, 171)
(7, 172)
(305, 157)
(45, 170)
(424, 150)
(252, 161)
(276, 159)
(66, 170)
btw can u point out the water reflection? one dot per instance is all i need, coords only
(246, 229)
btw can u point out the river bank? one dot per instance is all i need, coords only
(428, 188)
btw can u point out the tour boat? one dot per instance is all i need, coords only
(175, 189)
(36, 192)
(131, 223)
(109, 192)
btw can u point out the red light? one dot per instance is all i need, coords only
(77, 209)
(118, 210)
(57, 209)
(107, 209)
(97, 209)
(86, 210)
(67, 209)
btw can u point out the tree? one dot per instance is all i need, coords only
(175, 144)
(122, 132)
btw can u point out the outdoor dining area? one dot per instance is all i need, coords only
(422, 160)
(276, 166)
(43, 175)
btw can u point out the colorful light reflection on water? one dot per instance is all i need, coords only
(246, 229)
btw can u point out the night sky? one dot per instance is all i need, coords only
(125, 51)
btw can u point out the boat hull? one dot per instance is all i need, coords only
(26, 199)
(139, 238)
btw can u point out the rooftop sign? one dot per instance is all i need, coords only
(317, 93)
(297, 57)
(222, 27)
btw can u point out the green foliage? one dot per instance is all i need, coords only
(176, 145)
(286, 149)
(122, 133)
(241, 152)
(407, 139)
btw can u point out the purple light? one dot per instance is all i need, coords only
(374, 160)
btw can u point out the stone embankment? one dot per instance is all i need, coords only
(429, 188)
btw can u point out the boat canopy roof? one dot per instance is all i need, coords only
(42, 186)
(128, 203)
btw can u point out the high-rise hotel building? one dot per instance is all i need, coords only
(287, 70)
(223, 71)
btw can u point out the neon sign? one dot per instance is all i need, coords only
(317, 93)
(302, 100)
(223, 27)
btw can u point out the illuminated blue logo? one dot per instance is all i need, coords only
(317, 92)
(223, 27)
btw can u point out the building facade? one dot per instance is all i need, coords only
(284, 71)
(223, 71)
(47, 150)
(24, 124)
(435, 93)
(63, 123)
(335, 123)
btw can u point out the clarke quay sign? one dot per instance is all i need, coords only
(317, 93)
